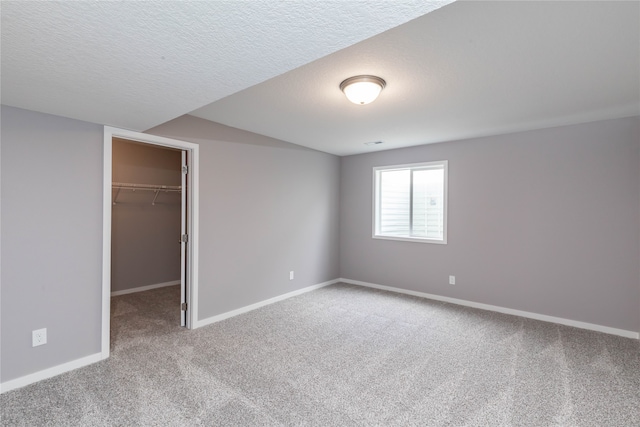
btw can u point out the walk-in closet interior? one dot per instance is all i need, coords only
(146, 214)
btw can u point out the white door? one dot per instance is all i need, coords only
(184, 238)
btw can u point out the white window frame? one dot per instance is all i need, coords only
(444, 164)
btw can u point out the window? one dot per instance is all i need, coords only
(410, 202)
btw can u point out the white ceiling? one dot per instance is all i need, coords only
(468, 69)
(136, 65)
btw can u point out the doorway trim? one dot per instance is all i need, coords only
(192, 222)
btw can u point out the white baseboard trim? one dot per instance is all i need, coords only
(232, 313)
(144, 288)
(527, 314)
(49, 372)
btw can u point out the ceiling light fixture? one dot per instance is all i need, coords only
(362, 89)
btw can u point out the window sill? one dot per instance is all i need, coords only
(412, 239)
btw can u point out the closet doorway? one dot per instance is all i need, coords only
(156, 177)
(147, 221)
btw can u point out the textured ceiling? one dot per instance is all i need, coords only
(468, 69)
(138, 64)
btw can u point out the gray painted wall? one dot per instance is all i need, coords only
(51, 240)
(543, 221)
(266, 207)
(144, 237)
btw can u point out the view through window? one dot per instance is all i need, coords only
(410, 202)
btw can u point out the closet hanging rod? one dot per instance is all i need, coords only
(145, 187)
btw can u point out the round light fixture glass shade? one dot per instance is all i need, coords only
(362, 89)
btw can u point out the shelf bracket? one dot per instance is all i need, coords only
(116, 196)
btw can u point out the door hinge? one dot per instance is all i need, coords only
(185, 169)
(184, 238)
(183, 306)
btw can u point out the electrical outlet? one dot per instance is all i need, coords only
(291, 275)
(452, 280)
(39, 337)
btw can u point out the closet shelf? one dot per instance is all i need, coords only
(157, 189)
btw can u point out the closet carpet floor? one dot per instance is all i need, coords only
(341, 355)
